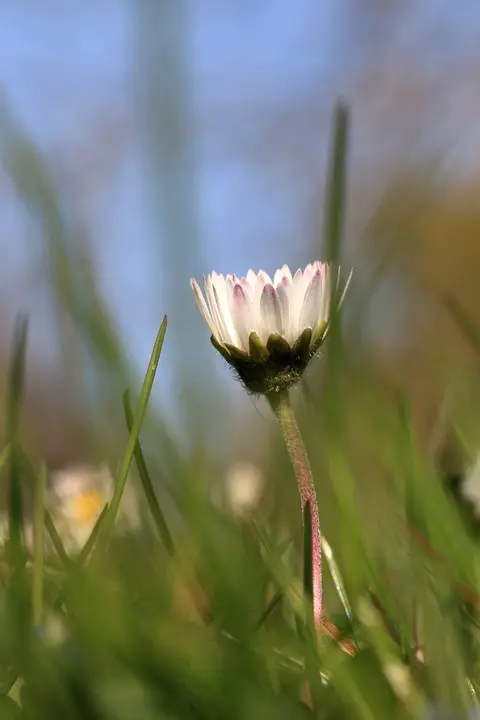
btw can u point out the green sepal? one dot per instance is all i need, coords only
(236, 354)
(319, 336)
(258, 352)
(301, 347)
(222, 350)
(278, 347)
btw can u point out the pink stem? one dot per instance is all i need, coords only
(281, 406)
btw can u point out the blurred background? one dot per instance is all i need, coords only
(143, 143)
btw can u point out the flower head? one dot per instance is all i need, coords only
(269, 329)
(244, 485)
(76, 499)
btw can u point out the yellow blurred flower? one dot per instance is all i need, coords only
(76, 498)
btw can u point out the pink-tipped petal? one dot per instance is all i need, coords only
(233, 307)
(270, 312)
(248, 289)
(260, 282)
(309, 272)
(283, 276)
(241, 316)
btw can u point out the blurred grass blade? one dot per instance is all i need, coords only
(14, 399)
(336, 182)
(333, 234)
(96, 349)
(153, 504)
(277, 598)
(109, 522)
(5, 456)
(38, 547)
(57, 543)
(336, 577)
(92, 538)
(82, 558)
(464, 322)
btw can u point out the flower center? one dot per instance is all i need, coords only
(88, 506)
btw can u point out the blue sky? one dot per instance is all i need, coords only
(263, 77)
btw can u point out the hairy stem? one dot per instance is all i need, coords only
(281, 406)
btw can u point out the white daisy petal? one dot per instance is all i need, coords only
(282, 294)
(271, 312)
(241, 315)
(282, 276)
(311, 304)
(221, 334)
(261, 280)
(251, 278)
(235, 306)
(248, 289)
(227, 305)
(266, 277)
(296, 296)
(202, 306)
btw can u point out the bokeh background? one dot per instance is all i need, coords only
(146, 142)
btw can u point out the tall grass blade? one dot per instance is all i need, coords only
(38, 547)
(109, 522)
(153, 504)
(14, 399)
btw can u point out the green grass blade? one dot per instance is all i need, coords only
(336, 184)
(153, 504)
(57, 543)
(92, 538)
(333, 235)
(14, 399)
(38, 547)
(109, 522)
(82, 558)
(5, 456)
(276, 599)
(336, 576)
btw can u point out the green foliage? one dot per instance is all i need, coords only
(202, 614)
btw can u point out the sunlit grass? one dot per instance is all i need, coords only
(201, 614)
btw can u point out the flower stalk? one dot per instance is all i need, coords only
(282, 407)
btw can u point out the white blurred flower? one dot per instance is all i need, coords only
(269, 329)
(470, 487)
(244, 484)
(76, 499)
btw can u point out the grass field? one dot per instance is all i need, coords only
(202, 613)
